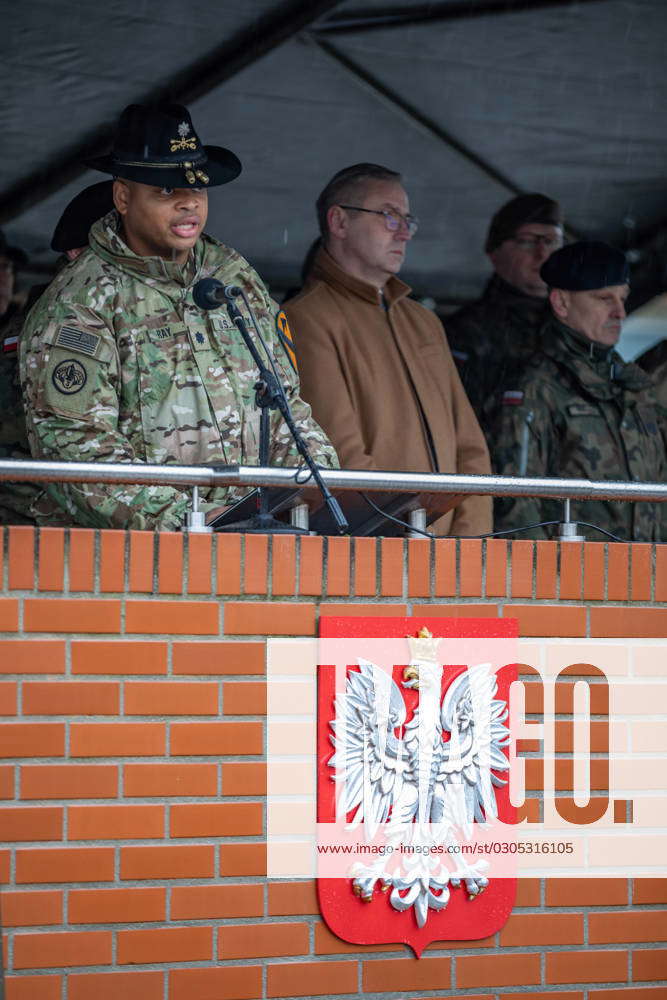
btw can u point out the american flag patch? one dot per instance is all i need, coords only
(10, 344)
(512, 397)
(78, 340)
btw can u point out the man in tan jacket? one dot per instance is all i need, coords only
(374, 364)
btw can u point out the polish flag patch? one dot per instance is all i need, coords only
(512, 397)
(10, 344)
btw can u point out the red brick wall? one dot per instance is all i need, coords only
(131, 773)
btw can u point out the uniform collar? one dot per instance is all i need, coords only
(326, 269)
(599, 369)
(107, 242)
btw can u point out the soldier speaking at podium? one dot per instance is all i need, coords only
(118, 364)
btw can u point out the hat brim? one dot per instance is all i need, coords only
(221, 166)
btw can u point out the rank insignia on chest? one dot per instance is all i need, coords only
(200, 338)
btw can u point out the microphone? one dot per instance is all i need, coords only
(209, 293)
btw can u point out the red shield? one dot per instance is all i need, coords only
(375, 919)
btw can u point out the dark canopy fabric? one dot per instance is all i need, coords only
(564, 98)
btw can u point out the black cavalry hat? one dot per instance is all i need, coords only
(159, 146)
(580, 267)
(84, 209)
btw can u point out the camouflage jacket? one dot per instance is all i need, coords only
(15, 498)
(488, 338)
(579, 411)
(119, 365)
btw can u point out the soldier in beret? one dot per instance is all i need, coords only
(578, 410)
(489, 337)
(118, 364)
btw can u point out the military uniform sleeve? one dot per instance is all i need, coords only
(70, 375)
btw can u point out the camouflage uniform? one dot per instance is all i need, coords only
(15, 498)
(488, 338)
(119, 365)
(654, 362)
(579, 411)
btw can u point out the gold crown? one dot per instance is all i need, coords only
(424, 646)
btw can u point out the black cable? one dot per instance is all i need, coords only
(604, 531)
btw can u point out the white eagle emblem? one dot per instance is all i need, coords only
(427, 789)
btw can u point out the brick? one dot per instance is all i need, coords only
(391, 567)
(640, 573)
(112, 562)
(36, 656)
(140, 577)
(9, 614)
(661, 573)
(162, 780)
(119, 657)
(548, 620)
(44, 951)
(21, 557)
(5, 857)
(524, 930)
(501, 970)
(267, 618)
(283, 564)
(64, 864)
(217, 902)
(200, 553)
(171, 617)
(8, 698)
(444, 567)
(562, 995)
(470, 568)
(244, 698)
(218, 657)
(618, 928)
(115, 906)
(243, 778)
(216, 819)
(649, 623)
(298, 979)
(237, 860)
(292, 898)
(365, 567)
(117, 739)
(545, 570)
(594, 576)
(327, 943)
(363, 610)
(47, 614)
(232, 983)
(170, 562)
(144, 985)
(618, 560)
(23, 823)
(419, 567)
(194, 739)
(338, 567)
(33, 987)
(584, 967)
(311, 566)
(32, 739)
(571, 571)
(256, 569)
(31, 909)
(51, 573)
(649, 890)
(522, 569)
(167, 861)
(115, 822)
(68, 697)
(228, 564)
(649, 965)
(164, 944)
(69, 781)
(380, 975)
(496, 567)
(455, 610)
(265, 940)
(629, 993)
(81, 559)
(6, 781)
(169, 698)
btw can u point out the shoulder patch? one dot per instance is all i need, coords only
(512, 397)
(285, 337)
(69, 376)
(78, 340)
(10, 345)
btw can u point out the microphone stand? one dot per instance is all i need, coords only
(269, 395)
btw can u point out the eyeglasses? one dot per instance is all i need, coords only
(393, 221)
(532, 242)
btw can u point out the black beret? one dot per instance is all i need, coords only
(578, 267)
(84, 209)
(518, 212)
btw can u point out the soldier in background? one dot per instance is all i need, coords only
(488, 338)
(578, 410)
(117, 362)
